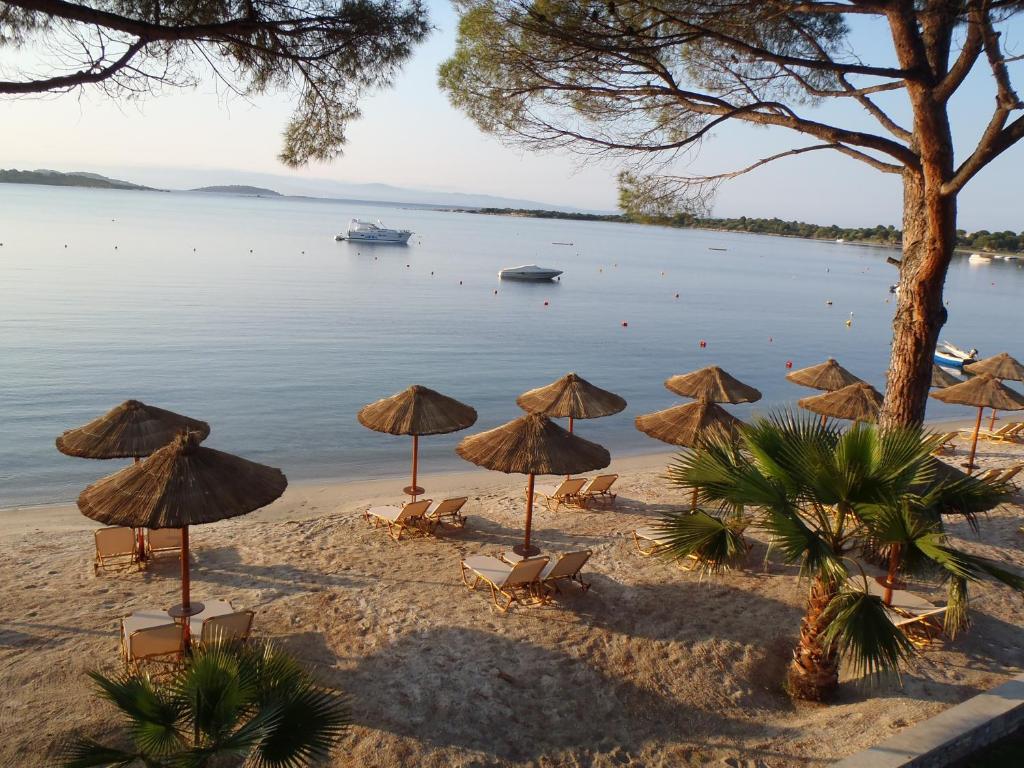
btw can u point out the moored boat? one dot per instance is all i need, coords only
(368, 232)
(979, 258)
(952, 356)
(529, 272)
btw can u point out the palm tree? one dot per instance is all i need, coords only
(229, 705)
(825, 497)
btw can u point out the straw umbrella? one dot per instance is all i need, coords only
(532, 445)
(129, 431)
(982, 391)
(686, 424)
(942, 378)
(571, 397)
(180, 485)
(1002, 366)
(856, 402)
(417, 411)
(828, 376)
(712, 384)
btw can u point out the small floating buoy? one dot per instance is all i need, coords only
(460, 282)
(662, 274)
(702, 344)
(770, 339)
(677, 295)
(115, 247)
(789, 363)
(828, 302)
(406, 266)
(431, 273)
(625, 324)
(65, 245)
(250, 250)
(495, 291)
(545, 303)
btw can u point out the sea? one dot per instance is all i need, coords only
(247, 313)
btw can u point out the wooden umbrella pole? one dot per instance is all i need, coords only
(529, 516)
(890, 578)
(569, 476)
(823, 417)
(974, 441)
(415, 462)
(992, 422)
(141, 533)
(186, 602)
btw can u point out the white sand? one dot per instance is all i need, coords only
(653, 667)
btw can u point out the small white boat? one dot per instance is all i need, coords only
(529, 272)
(368, 232)
(979, 258)
(952, 356)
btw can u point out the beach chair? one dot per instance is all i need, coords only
(566, 568)
(566, 492)
(919, 619)
(650, 540)
(1009, 474)
(991, 475)
(116, 549)
(947, 443)
(599, 490)
(1006, 433)
(398, 519)
(228, 627)
(448, 511)
(163, 541)
(151, 639)
(511, 582)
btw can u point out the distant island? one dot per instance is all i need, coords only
(239, 189)
(982, 240)
(59, 179)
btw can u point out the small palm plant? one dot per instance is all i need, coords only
(826, 498)
(229, 705)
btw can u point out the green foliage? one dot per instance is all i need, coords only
(822, 494)
(228, 705)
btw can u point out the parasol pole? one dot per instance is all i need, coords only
(569, 476)
(992, 422)
(974, 440)
(141, 533)
(186, 602)
(527, 549)
(415, 465)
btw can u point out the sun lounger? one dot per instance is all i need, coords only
(1009, 475)
(116, 548)
(448, 511)
(650, 540)
(599, 490)
(991, 475)
(919, 619)
(1006, 433)
(512, 582)
(227, 627)
(947, 443)
(151, 637)
(566, 492)
(163, 541)
(398, 519)
(566, 568)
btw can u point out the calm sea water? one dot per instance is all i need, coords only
(246, 313)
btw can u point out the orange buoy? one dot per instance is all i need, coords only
(789, 363)
(625, 324)
(702, 344)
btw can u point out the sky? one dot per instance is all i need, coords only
(410, 136)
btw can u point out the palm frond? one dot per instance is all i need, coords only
(86, 753)
(859, 627)
(218, 692)
(154, 718)
(964, 565)
(715, 543)
(802, 544)
(957, 604)
(310, 722)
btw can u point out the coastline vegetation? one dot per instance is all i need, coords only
(981, 240)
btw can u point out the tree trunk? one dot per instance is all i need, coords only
(929, 236)
(814, 672)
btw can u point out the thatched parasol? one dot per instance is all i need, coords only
(532, 445)
(983, 391)
(856, 402)
(686, 424)
(571, 397)
(943, 378)
(1002, 366)
(417, 411)
(180, 485)
(828, 376)
(713, 384)
(129, 431)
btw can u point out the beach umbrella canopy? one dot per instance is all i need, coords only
(942, 378)
(532, 445)
(982, 391)
(685, 424)
(1002, 366)
(856, 402)
(571, 397)
(713, 384)
(129, 431)
(828, 376)
(417, 411)
(180, 485)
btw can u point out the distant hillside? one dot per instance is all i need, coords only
(58, 179)
(239, 189)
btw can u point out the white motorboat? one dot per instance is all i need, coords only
(529, 272)
(951, 356)
(368, 232)
(979, 258)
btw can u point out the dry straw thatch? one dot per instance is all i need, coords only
(417, 410)
(1001, 366)
(571, 396)
(942, 378)
(129, 431)
(856, 402)
(533, 445)
(982, 391)
(828, 376)
(182, 484)
(686, 424)
(712, 384)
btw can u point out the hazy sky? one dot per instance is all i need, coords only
(410, 136)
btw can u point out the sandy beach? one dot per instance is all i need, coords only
(654, 666)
